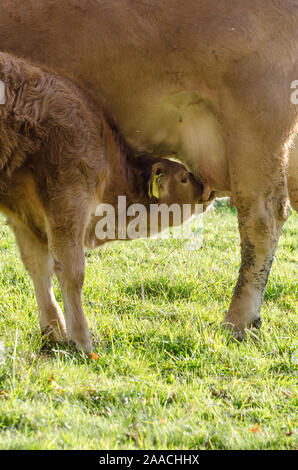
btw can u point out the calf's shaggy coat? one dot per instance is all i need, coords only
(60, 158)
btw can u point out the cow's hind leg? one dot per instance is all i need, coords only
(293, 176)
(39, 264)
(259, 189)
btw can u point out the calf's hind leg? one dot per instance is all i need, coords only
(39, 264)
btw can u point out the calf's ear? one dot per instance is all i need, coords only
(155, 179)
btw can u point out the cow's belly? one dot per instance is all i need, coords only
(187, 127)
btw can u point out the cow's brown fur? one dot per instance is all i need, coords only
(59, 160)
(293, 175)
(207, 80)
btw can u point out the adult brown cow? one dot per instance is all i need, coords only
(208, 81)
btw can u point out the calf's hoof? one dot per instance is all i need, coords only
(54, 333)
(81, 343)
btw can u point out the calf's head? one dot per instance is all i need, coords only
(171, 183)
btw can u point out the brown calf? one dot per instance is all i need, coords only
(59, 160)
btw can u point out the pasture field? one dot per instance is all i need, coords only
(166, 376)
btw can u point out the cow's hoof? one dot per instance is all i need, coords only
(257, 323)
(236, 333)
(239, 335)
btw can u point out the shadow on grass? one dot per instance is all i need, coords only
(161, 288)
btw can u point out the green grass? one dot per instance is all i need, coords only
(167, 376)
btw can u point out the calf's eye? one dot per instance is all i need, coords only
(184, 180)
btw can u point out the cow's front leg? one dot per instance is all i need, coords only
(261, 197)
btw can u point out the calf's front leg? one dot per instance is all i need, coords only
(69, 265)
